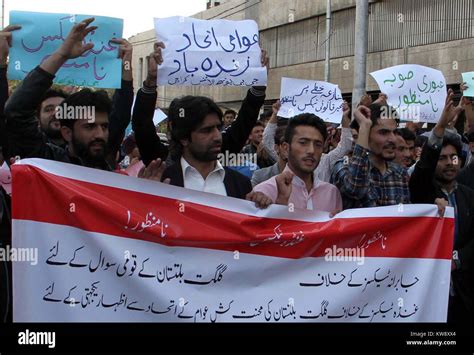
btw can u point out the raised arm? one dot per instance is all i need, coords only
(420, 181)
(234, 137)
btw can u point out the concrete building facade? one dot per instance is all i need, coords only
(434, 33)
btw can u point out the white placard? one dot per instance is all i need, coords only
(418, 93)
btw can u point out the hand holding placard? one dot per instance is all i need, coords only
(86, 55)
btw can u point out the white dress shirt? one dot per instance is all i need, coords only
(214, 183)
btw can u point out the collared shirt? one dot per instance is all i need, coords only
(214, 182)
(451, 197)
(323, 196)
(362, 185)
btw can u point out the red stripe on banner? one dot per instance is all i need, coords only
(45, 197)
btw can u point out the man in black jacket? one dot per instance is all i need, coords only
(25, 138)
(233, 138)
(197, 139)
(440, 164)
(196, 123)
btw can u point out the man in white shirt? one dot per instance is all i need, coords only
(324, 169)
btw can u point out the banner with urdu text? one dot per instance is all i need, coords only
(112, 248)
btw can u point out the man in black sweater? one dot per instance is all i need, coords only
(434, 178)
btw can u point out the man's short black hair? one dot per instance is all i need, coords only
(187, 113)
(99, 99)
(282, 122)
(230, 112)
(305, 119)
(406, 134)
(49, 94)
(280, 135)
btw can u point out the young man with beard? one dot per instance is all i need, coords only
(370, 178)
(434, 179)
(229, 117)
(25, 137)
(298, 185)
(403, 155)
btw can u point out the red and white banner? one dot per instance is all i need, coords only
(115, 248)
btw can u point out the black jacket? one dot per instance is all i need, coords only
(5, 266)
(423, 189)
(25, 138)
(233, 138)
(236, 184)
(466, 176)
(3, 99)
